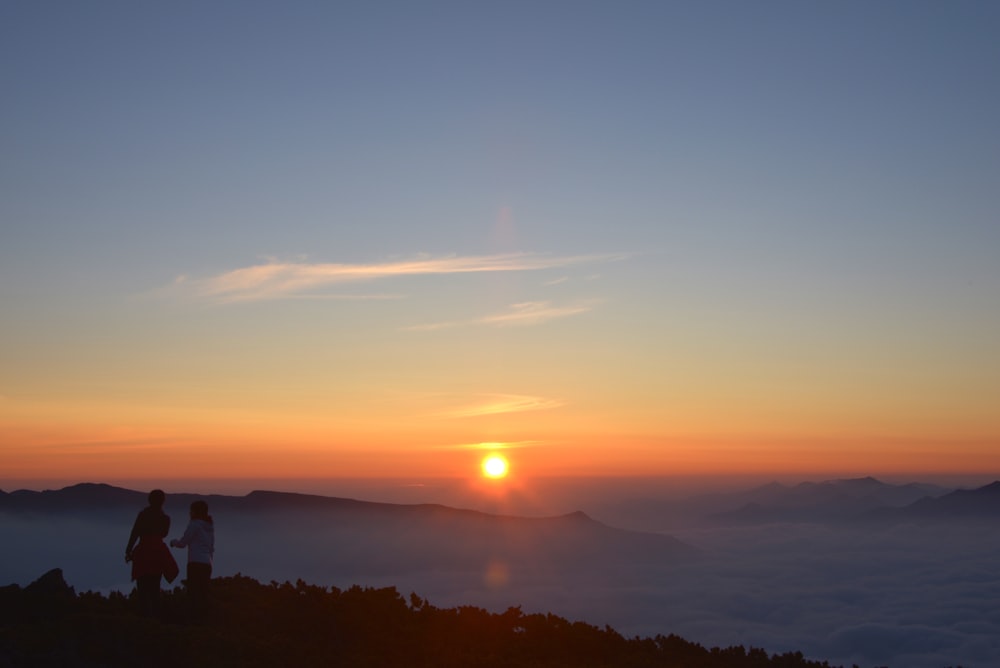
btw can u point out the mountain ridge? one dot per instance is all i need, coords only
(364, 538)
(87, 495)
(838, 501)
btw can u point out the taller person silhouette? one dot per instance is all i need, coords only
(151, 560)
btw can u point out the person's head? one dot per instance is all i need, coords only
(199, 510)
(156, 498)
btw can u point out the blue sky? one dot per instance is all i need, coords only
(802, 191)
(598, 125)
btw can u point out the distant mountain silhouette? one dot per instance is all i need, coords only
(827, 501)
(84, 497)
(963, 504)
(822, 502)
(366, 538)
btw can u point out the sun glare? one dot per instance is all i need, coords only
(495, 466)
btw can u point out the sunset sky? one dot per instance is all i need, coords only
(336, 239)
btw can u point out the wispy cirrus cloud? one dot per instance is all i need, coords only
(492, 445)
(504, 403)
(518, 315)
(282, 280)
(533, 313)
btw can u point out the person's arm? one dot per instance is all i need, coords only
(186, 539)
(133, 537)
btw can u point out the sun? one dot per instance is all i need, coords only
(495, 466)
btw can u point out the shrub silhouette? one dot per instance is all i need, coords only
(285, 624)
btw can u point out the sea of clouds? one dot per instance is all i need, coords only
(902, 595)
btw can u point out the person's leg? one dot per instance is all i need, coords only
(147, 592)
(198, 576)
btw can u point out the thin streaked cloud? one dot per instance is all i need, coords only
(504, 403)
(518, 315)
(492, 445)
(437, 326)
(534, 313)
(347, 297)
(282, 280)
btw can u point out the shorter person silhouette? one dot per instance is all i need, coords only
(150, 558)
(199, 539)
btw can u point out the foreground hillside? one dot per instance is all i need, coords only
(254, 624)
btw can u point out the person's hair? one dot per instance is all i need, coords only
(156, 498)
(199, 511)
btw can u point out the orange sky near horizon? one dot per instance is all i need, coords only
(93, 442)
(236, 400)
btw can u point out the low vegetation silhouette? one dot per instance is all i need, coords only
(283, 624)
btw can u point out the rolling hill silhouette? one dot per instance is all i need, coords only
(368, 538)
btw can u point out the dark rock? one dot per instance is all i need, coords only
(51, 584)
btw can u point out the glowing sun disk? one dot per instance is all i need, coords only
(495, 466)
